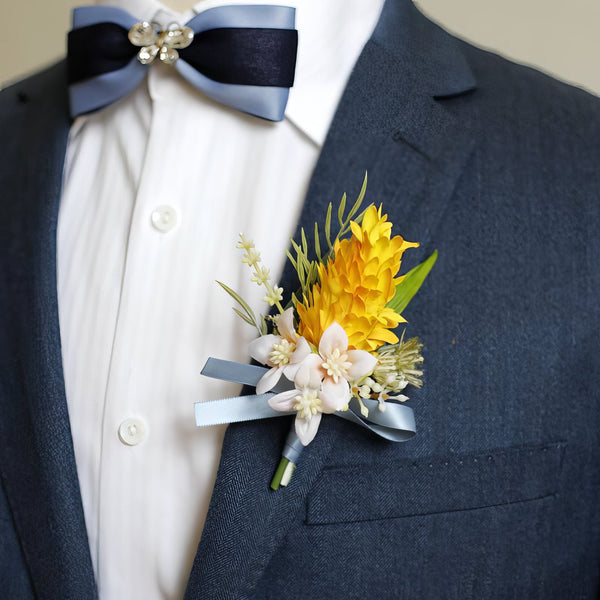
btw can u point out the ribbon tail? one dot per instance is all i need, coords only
(267, 102)
(396, 423)
(97, 92)
(239, 15)
(235, 410)
(227, 370)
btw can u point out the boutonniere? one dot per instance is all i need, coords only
(332, 349)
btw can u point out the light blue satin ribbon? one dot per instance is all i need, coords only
(396, 423)
(267, 102)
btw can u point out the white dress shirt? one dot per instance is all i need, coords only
(156, 190)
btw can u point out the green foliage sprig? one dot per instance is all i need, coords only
(307, 269)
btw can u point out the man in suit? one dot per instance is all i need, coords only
(492, 164)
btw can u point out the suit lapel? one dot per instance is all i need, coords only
(37, 463)
(392, 122)
(414, 151)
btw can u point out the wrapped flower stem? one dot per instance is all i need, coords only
(289, 459)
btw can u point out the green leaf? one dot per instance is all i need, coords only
(411, 283)
(360, 198)
(345, 223)
(328, 226)
(264, 329)
(312, 274)
(291, 259)
(341, 209)
(245, 317)
(296, 248)
(317, 242)
(301, 277)
(361, 216)
(249, 312)
(299, 262)
(304, 242)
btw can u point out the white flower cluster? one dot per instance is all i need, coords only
(323, 379)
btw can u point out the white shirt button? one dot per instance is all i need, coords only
(164, 218)
(132, 431)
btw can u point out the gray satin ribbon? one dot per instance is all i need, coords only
(262, 101)
(396, 423)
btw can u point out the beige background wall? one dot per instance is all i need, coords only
(559, 36)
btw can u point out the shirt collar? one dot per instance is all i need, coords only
(331, 36)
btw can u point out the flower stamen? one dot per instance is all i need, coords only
(308, 404)
(281, 353)
(337, 365)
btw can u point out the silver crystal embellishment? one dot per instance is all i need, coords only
(162, 43)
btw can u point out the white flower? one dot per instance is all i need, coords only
(322, 382)
(309, 400)
(340, 366)
(283, 352)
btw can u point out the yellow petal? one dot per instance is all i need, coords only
(356, 286)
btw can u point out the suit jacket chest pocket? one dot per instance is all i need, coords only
(434, 486)
(459, 527)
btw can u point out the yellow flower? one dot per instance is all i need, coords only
(356, 285)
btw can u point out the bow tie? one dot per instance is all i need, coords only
(242, 55)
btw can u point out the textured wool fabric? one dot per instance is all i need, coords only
(495, 166)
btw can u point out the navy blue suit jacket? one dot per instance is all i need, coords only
(497, 497)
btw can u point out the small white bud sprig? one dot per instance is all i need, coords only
(260, 274)
(399, 365)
